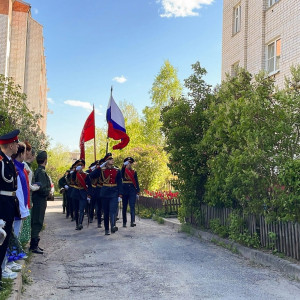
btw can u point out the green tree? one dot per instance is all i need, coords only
(184, 124)
(14, 114)
(59, 160)
(165, 87)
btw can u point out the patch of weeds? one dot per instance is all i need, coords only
(229, 247)
(158, 219)
(7, 287)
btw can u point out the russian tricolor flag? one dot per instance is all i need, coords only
(116, 124)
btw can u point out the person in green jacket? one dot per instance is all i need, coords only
(39, 201)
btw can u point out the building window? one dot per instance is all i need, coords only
(271, 2)
(237, 19)
(274, 52)
(235, 69)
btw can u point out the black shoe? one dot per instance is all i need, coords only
(114, 229)
(72, 219)
(99, 226)
(91, 220)
(40, 248)
(132, 224)
(124, 225)
(37, 251)
(107, 232)
(117, 219)
(80, 226)
(77, 228)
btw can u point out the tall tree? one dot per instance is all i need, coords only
(165, 87)
(15, 114)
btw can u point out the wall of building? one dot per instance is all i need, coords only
(262, 26)
(282, 20)
(22, 54)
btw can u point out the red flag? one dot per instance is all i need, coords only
(87, 133)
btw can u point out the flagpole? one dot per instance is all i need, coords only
(94, 136)
(111, 89)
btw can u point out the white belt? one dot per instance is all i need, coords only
(5, 193)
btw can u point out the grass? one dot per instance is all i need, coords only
(230, 247)
(7, 287)
(158, 219)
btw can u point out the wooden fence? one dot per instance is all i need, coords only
(283, 236)
(170, 206)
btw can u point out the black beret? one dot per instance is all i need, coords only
(131, 160)
(107, 156)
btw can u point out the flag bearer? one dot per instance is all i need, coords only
(131, 190)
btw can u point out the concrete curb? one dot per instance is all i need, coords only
(288, 268)
(18, 283)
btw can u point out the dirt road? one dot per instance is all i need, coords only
(149, 261)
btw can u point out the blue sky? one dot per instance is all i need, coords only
(93, 45)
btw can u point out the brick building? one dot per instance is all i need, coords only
(22, 54)
(261, 35)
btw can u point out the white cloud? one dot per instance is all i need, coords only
(85, 105)
(182, 8)
(121, 79)
(50, 100)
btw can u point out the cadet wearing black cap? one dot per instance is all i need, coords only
(110, 191)
(131, 190)
(80, 193)
(39, 201)
(8, 186)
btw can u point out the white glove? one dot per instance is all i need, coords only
(88, 200)
(93, 168)
(2, 232)
(137, 197)
(119, 199)
(126, 163)
(103, 165)
(66, 187)
(78, 168)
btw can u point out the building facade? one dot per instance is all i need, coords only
(22, 54)
(261, 35)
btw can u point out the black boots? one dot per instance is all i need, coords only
(132, 224)
(34, 248)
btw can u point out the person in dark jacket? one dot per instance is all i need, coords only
(39, 201)
(131, 190)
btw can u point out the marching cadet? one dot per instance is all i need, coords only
(110, 191)
(131, 190)
(70, 189)
(8, 186)
(39, 201)
(80, 195)
(62, 184)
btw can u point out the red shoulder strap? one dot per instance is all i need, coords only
(131, 176)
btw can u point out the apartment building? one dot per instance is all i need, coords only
(261, 35)
(22, 54)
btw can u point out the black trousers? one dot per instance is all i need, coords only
(7, 213)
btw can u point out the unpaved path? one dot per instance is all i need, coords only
(150, 261)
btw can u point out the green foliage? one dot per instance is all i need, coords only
(184, 124)
(216, 227)
(7, 288)
(59, 160)
(14, 114)
(238, 233)
(158, 219)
